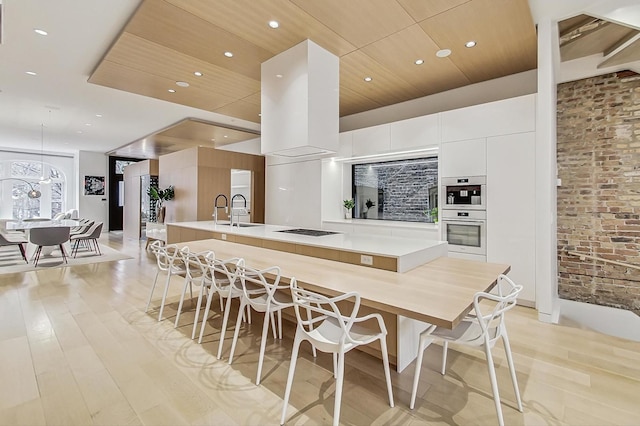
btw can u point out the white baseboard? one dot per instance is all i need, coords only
(612, 321)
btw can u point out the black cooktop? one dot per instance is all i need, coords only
(309, 232)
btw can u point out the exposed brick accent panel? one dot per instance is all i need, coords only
(599, 200)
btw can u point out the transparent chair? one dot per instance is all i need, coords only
(262, 292)
(480, 329)
(332, 331)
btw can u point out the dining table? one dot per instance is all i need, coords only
(28, 224)
(438, 292)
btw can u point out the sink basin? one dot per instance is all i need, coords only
(242, 225)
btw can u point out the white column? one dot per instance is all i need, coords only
(546, 170)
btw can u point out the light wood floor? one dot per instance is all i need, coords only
(77, 348)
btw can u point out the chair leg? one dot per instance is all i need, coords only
(263, 343)
(338, 396)
(95, 241)
(335, 365)
(197, 313)
(445, 345)
(23, 252)
(512, 369)
(292, 369)
(37, 255)
(387, 373)
(237, 330)
(205, 315)
(494, 383)
(187, 282)
(273, 325)
(225, 319)
(422, 346)
(153, 287)
(64, 255)
(280, 324)
(164, 295)
(313, 348)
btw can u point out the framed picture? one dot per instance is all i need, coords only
(94, 185)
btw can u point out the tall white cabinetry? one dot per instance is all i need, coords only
(463, 158)
(511, 207)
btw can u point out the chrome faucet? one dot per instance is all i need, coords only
(238, 210)
(216, 207)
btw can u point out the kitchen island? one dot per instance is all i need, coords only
(439, 292)
(395, 254)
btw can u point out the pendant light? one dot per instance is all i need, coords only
(44, 180)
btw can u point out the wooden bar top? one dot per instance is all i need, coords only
(439, 292)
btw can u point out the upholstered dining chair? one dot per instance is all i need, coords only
(333, 331)
(90, 238)
(482, 329)
(15, 240)
(49, 236)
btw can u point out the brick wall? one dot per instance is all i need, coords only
(599, 200)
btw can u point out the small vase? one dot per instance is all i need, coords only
(347, 214)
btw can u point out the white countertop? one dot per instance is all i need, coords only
(361, 243)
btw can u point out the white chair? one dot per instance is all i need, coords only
(226, 285)
(90, 238)
(196, 272)
(479, 329)
(169, 261)
(263, 295)
(334, 332)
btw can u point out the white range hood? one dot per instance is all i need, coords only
(300, 102)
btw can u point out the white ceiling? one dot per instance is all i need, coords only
(80, 32)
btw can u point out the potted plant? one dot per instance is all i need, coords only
(434, 214)
(160, 196)
(348, 205)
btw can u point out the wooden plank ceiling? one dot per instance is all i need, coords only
(584, 35)
(166, 41)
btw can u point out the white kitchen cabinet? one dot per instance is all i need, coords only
(345, 144)
(463, 158)
(414, 133)
(511, 207)
(372, 140)
(508, 116)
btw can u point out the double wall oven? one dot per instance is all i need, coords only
(464, 216)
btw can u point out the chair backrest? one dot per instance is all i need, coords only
(159, 249)
(258, 283)
(196, 265)
(225, 272)
(491, 321)
(49, 236)
(58, 216)
(4, 241)
(306, 303)
(72, 214)
(95, 230)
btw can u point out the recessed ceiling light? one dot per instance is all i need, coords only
(99, 115)
(274, 24)
(87, 124)
(225, 136)
(182, 83)
(228, 54)
(171, 91)
(79, 132)
(260, 114)
(419, 61)
(279, 75)
(213, 139)
(30, 73)
(470, 43)
(368, 79)
(39, 31)
(198, 74)
(443, 53)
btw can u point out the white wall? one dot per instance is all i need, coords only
(293, 193)
(95, 207)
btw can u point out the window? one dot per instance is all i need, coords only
(402, 190)
(20, 176)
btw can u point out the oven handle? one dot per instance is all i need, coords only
(464, 221)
